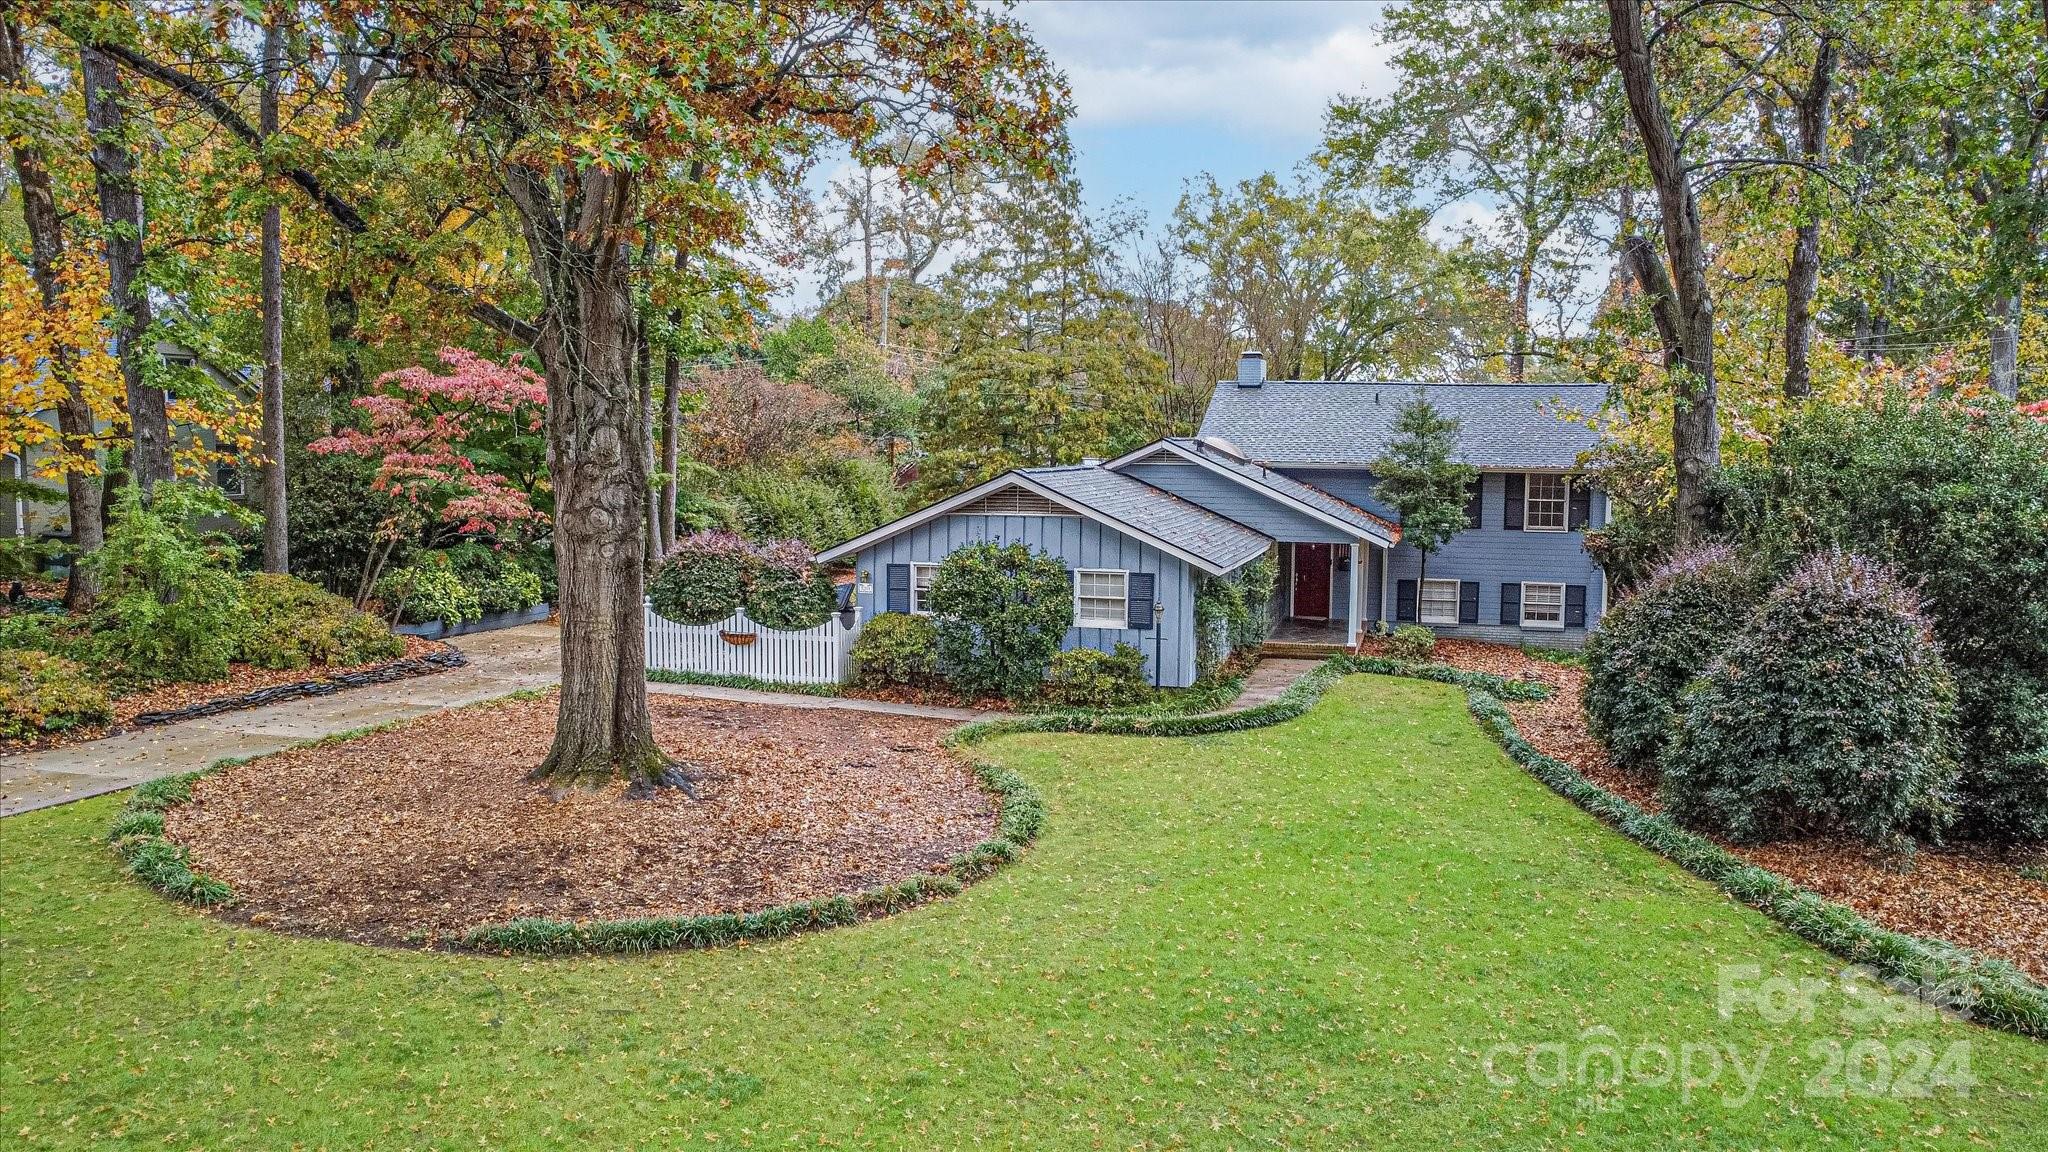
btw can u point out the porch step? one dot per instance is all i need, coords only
(1300, 649)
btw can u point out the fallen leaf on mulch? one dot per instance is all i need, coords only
(1963, 894)
(432, 828)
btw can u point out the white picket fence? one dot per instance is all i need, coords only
(736, 646)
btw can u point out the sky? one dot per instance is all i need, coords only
(1165, 91)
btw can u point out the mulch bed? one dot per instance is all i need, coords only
(242, 679)
(1965, 894)
(413, 835)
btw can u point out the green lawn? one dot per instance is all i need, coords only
(1303, 936)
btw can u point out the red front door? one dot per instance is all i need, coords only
(1312, 581)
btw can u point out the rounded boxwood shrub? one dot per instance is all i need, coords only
(1088, 678)
(791, 598)
(1002, 611)
(41, 694)
(290, 623)
(1651, 645)
(704, 579)
(1412, 642)
(896, 648)
(1828, 713)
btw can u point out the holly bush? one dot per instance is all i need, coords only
(1002, 611)
(896, 648)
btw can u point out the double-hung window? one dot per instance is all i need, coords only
(1439, 601)
(1548, 503)
(1542, 605)
(1101, 599)
(921, 588)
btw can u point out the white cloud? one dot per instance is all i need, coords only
(1252, 68)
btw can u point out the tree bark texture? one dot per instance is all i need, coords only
(121, 214)
(1695, 434)
(575, 235)
(276, 539)
(46, 258)
(2005, 346)
(671, 423)
(1802, 274)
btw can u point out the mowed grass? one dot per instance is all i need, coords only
(1311, 935)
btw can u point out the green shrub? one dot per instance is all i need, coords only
(43, 632)
(1087, 678)
(1828, 713)
(1233, 614)
(704, 579)
(290, 623)
(1651, 645)
(1002, 611)
(1412, 642)
(41, 693)
(895, 648)
(170, 603)
(791, 598)
(429, 590)
(1952, 495)
(336, 514)
(501, 581)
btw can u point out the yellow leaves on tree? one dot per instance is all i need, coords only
(48, 354)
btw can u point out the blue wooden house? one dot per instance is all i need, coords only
(1285, 467)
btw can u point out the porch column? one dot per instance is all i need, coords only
(1386, 583)
(1351, 621)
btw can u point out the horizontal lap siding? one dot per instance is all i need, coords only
(1492, 555)
(1077, 543)
(1228, 498)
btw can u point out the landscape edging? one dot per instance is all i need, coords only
(401, 669)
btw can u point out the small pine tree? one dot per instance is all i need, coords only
(1420, 478)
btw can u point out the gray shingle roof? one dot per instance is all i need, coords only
(1223, 542)
(1341, 422)
(1309, 494)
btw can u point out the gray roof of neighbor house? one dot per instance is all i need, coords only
(1345, 422)
(1222, 542)
(1309, 494)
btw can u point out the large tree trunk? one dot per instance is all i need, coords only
(276, 540)
(1802, 275)
(671, 425)
(121, 213)
(2005, 346)
(595, 433)
(1695, 434)
(46, 258)
(1525, 276)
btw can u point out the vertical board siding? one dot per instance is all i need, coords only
(1077, 543)
(1234, 501)
(820, 655)
(1491, 555)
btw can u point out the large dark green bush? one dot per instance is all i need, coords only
(429, 590)
(704, 579)
(170, 603)
(895, 648)
(1828, 713)
(1002, 611)
(41, 694)
(499, 577)
(1088, 678)
(1955, 496)
(289, 623)
(335, 517)
(1650, 645)
(791, 598)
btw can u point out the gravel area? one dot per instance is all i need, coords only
(420, 832)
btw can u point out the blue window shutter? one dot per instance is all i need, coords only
(899, 587)
(1404, 601)
(1511, 603)
(1575, 605)
(1579, 510)
(1138, 607)
(1468, 602)
(1475, 510)
(1511, 516)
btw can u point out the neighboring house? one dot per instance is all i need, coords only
(1286, 465)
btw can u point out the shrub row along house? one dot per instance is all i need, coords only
(1286, 466)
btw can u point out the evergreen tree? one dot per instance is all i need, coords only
(1421, 478)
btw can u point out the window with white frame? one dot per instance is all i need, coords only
(1101, 599)
(1548, 503)
(921, 587)
(1542, 605)
(1439, 601)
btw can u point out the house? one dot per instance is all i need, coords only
(1285, 467)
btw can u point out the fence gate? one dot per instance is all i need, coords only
(736, 646)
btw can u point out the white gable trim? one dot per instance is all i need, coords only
(1019, 480)
(1166, 447)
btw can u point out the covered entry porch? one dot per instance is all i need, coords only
(1327, 595)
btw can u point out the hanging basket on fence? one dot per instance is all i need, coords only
(738, 639)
